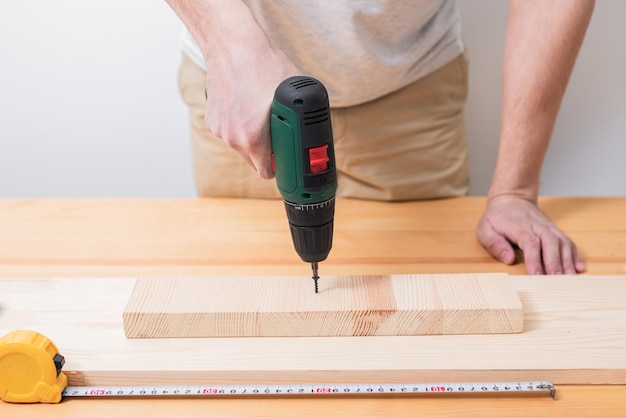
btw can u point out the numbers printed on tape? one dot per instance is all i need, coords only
(310, 389)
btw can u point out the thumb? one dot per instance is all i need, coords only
(497, 245)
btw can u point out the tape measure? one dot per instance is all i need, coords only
(30, 368)
(31, 372)
(313, 389)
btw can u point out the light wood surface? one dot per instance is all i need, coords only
(574, 333)
(130, 238)
(287, 306)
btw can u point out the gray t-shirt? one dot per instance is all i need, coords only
(359, 49)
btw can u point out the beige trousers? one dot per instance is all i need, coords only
(408, 145)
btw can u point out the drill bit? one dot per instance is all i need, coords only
(315, 276)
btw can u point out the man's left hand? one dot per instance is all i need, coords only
(511, 221)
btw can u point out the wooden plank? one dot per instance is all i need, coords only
(283, 306)
(574, 333)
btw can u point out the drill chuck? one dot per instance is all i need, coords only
(312, 229)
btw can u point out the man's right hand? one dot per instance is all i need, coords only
(243, 71)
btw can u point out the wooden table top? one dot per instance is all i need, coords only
(135, 237)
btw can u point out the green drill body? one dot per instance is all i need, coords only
(304, 162)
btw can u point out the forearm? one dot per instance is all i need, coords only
(220, 27)
(542, 41)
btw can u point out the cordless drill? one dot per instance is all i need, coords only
(304, 162)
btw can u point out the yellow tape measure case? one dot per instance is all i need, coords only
(30, 368)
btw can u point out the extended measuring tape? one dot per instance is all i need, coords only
(30, 372)
(313, 389)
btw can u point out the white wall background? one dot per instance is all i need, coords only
(88, 100)
(587, 153)
(89, 105)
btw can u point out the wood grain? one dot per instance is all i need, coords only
(574, 333)
(117, 238)
(209, 237)
(284, 306)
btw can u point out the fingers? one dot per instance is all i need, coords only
(551, 252)
(572, 262)
(239, 114)
(531, 247)
(567, 258)
(254, 147)
(262, 163)
(509, 221)
(259, 156)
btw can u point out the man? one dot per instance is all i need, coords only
(397, 80)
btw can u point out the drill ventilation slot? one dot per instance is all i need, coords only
(316, 116)
(304, 82)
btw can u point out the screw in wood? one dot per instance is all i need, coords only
(315, 276)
